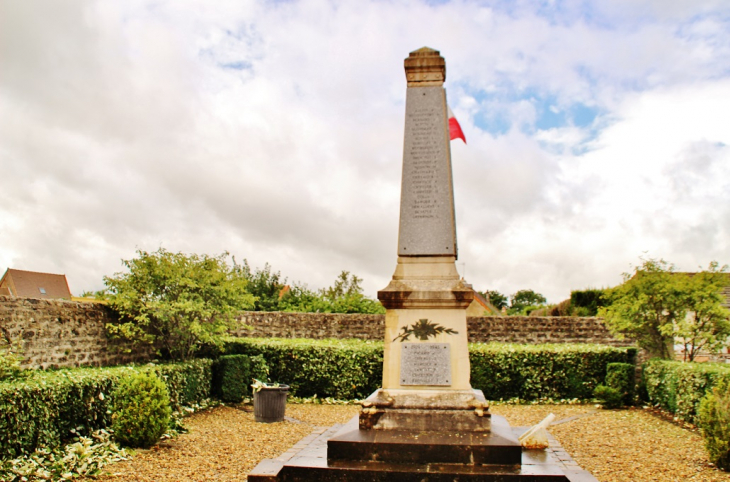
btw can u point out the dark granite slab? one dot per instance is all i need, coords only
(307, 461)
(499, 447)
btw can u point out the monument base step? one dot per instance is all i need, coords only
(318, 469)
(498, 447)
(308, 461)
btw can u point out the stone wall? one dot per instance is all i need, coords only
(60, 333)
(542, 329)
(512, 329)
(311, 325)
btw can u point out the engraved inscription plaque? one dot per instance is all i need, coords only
(427, 225)
(425, 364)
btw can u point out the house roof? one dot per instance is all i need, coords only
(486, 304)
(31, 284)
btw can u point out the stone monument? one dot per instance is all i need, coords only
(426, 423)
(426, 358)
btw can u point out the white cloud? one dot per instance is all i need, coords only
(274, 131)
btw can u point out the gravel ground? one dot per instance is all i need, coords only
(614, 445)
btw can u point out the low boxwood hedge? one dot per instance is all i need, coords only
(678, 387)
(189, 383)
(347, 369)
(40, 410)
(342, 369)
(549, 371)
(622, 377)
(233, 375)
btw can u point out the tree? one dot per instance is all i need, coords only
(586, 302)
(655, 305)
(497, 299)
(176, 302)
(345, 285)
(344, 296)
(706, 326)
(264, 284)
(646, 306)
(524, 299)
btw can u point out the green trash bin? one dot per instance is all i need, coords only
(269, 403)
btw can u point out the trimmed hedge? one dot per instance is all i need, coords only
(189, 383)
(714, 418)
(679, 387)
(533, 372)
(347, 369)
(342, 369)
(609, 396)
(622, 377)
(41, 410)
(233, 374)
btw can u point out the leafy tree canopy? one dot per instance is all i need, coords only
(264, 284)
(525, 300)
(176, 302)
(655, 305)
(344, 296)
(706, 326)
(497, 299)
(587, 302)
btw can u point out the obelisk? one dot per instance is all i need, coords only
(426, 423)
(426, 357)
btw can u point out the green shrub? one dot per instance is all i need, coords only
(714, 419)
(611, 397)
(232, 376)
(84, 457)
(175, 302)
(587, 302)
(189, 383)
(532, 372)
(10, 358)
(622, 377)
(342, 369)
(141, 410)
(678, 387)
(42, 409)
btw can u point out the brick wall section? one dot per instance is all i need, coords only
(58, 333)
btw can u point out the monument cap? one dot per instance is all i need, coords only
(425, 67)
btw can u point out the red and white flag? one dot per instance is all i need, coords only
(455, 131)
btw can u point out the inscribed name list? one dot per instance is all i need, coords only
(425, 364)
(427, 224)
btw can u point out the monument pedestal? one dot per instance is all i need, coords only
(426, 411)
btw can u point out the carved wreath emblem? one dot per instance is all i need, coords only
(423, 329)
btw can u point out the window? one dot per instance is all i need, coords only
(42, 290)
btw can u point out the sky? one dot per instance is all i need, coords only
(598, 133)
